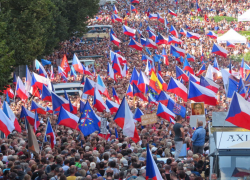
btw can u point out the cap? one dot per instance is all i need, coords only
(124, 162)
(154, 149)
(38, 134)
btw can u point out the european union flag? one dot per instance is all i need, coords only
(152, 92)
(88, 122)
(176, 108)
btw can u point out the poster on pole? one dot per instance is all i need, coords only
(197, 114)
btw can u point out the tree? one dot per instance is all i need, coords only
(6, 59)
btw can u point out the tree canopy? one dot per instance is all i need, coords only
(34, 28)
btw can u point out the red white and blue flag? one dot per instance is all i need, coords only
(124, 119)
(50, 132)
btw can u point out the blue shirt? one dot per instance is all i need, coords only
(199, 136)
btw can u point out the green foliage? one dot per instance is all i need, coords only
(220, 18)
(238, 58)
(6, 59)
(31, 29)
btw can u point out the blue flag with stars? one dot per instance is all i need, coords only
(88, 122)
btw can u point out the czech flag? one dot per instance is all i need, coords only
(117, 18)
(154, 83)
(133, 9)
(125, 70)
(134, 77)
(37, 107)
(232, 87)
(62, 74)
(113, 107)
(190, 57)
(239, 112)
(174, 40)
(176, 87)
(159, 18)
(114, 40)
(143, 82)
(212, 35)
(160, 39)
(110, 72)
(152, 170)
(40, 69)
(10, 92)
(137, 115)
(152, 16)
(208, 83)
(68, 119)
(163, 98)
(20, 89)
(6, 126)
(229, 44)
(144, 57)
(192, 35)
(151, 35)
(50, 132)
(134, 44)
(165, 57)
(49, 110)
(150, 29)
(138, 93)
(187, 67)
(194, 79)
(173, 31)
(112, 18)
(124, 119)
(58, 102)
(116, 66)
(199, 93)
(88, 88)
(197, 6)
(216, 65)
(202, 69)
(127, 12)
(128, 31)
(38, 81)
(183, 32)
(219, 50)
(29, 116)
(172, 121)
(143, 41)
(115, 10)
(164, 112)
(150, 44)
(98, 102)
(115, 95)
(46, 94)
(180, 51)
(9, 113)
(181, 74)
(152, 100)
(77, 64)
(242, 68)
(172, 12)
(129, 91)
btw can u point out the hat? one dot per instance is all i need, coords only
(119, 144)
(38, 134)
(124, 162)
(64, 152)
(154, 149)
(87, 148)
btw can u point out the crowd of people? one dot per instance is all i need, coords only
(95, 158)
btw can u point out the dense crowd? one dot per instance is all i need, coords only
(77, 157)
